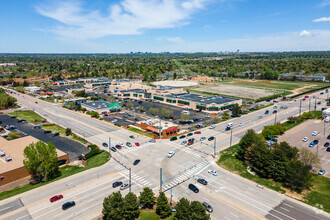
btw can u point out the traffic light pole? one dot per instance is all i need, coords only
(110, 147)
(231, 135)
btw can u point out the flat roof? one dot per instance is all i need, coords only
(15, 149)
(97, 104)
(134, 90)
(205, 100)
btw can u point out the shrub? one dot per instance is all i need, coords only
(95, 150)
(116, 124)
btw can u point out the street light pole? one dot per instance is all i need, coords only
(275, 117)
(130, 180)
(110, 147)
(231, 135)
(300, 108)
(161, 180)
(215, 144)
(309, 107)
(171, 197)
(315, 103)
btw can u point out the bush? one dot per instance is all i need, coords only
(95, 150)
(116, 124)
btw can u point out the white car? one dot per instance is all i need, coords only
(241, 124)
(121, 144)
(213, 172)
(305, 139)
(315, 133)
(114, 121)
(170, 154)
(212, 127)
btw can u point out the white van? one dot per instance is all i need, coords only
(185, 112)
(230, 125)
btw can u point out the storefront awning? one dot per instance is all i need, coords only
(151, 128)
(114, 106)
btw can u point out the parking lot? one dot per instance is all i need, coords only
(73, 148)
(295, 138)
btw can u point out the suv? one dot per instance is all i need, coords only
(193, 188)
(173, 139)
(208, 207)
(202, 181)
(55, 134)
(189, 134)
(47, 132)
(68, 205)
(116, 184)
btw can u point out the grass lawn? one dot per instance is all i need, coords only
(27, 115)
(66, 171)
(314, 115)
(318, 196)
(140, 132)
(151, 215)
(56, 128)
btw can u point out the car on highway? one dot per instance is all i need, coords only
(275, 111)
(114, 121)
(259, 116)
(184, 142)
(227, 128)
(116, 184)
(315, 133)
(316, 141)
(193, 188)
(213, 172)
(197, 132)
(118, 146)
(305, 139)
(55, 198)
(128, 144)
(152, 140)
(212, 127)
(105, 145)
(328, 137)
(182, 136)
(37, 127)
(67, 205)
(189, 134)
(133, 136)
(36, 102)
(326, 144)
(328, 149)
(55, 134)
(202, 181)
(137, 144)
(266, 112)
(173, 138)
(241, 124)
(47, 132)
(207, 207)
(170, 154)
(124, 186)
(202, 138)
(312, 144)
(136, 162)
(321, 172)
(211, 138)
(113, 149)
(275, 107)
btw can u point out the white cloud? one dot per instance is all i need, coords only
(305, 33)
(129, 17)
(322, 19)
(324, 3)
(174, 39)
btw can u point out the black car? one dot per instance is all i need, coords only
(105, 145)
(173, 139)
(55, 134)
(68, 205)
(193, 188)
(328, 137)
(202, 181)
(191, 140)
(19, 121)
(116, 184)
(13, 117)
(37, 127)
(136, 162)
(326, 144)
(211, 138)
(182, 136)
(227, 128)
(207, 207)
(189, 134)
(275, 111)
(113, 149)
(316, 141)
(328, 149)
(47, 132)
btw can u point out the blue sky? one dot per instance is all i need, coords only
(122, 26)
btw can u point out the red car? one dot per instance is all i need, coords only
(118, 146)
(197, 132)
(55, 198)
(137, 144)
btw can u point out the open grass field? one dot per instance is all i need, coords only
(27, 115)
(151, 215)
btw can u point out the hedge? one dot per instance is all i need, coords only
(95, 150)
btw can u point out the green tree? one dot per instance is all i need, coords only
(225, 116)
(182, 210)
(163, 208)
(198, 211)
(113, 207)
(175, 75)
(153, 111)
(236, 109)
(41, 161)
(147, 198)
(68, 131)
(247, 140)
(131, 207)
(6, 101)
(129, 104)
(13, 135)
(95, 114)
(80, 93)
(298, 177)
(185, 117)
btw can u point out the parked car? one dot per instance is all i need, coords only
(197, 132)
(55, 198)
(136, 162)
(68, 205)
(132, 136)
(315, 133)
(193, 188)
(189, 134)
(241, 124)
(266, 112)
(12, 117)
(114, 121)
(182, 136)
(37, 127)
(211, 138)
(137, 144)
(113, 149)
(128, 144)
(124, 186)
(207, 207)
(173, 138)
(116, 184)
(170, 154)
(326, 144)
(202, 181)
(321, 172)
(152, 141)
(47, 132)
(312, 144)
(328, 137)
(328, 149)
(305, 139)
(316, 141)
(183, 142)
(55, 134)
(105, 145)
(213, 172)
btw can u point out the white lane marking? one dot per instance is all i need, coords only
(234, 215)
(285, 209)
(288, 205)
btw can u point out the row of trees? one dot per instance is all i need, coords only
(280, 162)
(115, 207)
(6, 101)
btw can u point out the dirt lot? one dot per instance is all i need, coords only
(176, 83)
(237, 91)
(295, 135)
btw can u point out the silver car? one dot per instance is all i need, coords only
(207, 207)
(124, 186)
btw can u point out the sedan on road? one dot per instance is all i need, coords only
(55, 198)
(182, 136)
(184, 142)
(305, 139)
(207, 207)
(170, 154)
(202, 138)
(68, 205)
(128, 144)
(152, 141)
(315, 133)
(136, 162)
(212, 127)
(137, 144)
(116, 184)
(105, 145)
(211, 138)
(213, 172)
(202, 181)
(124, 186)
(113, 149)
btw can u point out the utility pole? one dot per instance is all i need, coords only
(160, 129)
(110, 147)
(324, 127)
(130, 179)
(171, 197)
(161, 181)
(300, 108)
(231, 135)
(275, 117)
(315, 103)
(309, 107)
(215, 144)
